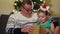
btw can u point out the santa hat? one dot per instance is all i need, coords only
(44, 7)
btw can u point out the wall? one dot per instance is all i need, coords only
(6, 6)
(55, 7)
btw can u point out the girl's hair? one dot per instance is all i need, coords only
(46, 12)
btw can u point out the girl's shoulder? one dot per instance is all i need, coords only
(37, 22)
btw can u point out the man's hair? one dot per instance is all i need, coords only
(26, 2)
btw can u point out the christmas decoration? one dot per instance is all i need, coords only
(35, 3)
(17, 4)
(44, 7)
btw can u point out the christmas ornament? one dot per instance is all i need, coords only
(36, 5)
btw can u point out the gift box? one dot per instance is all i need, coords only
(38, 30)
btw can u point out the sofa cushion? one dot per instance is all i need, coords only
(3, 21)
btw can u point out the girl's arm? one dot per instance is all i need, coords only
(48, 31)
(52, 28)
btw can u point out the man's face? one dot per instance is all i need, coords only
(27, 8)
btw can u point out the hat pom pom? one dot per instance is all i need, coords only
(44, 5)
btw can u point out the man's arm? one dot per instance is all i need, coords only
(10, 25)
(10, 28)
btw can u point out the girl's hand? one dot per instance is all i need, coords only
(47, 30)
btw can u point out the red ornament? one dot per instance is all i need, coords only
(44, 5)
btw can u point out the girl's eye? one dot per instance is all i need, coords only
(41, 16)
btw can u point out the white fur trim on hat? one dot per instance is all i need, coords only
(44, 9)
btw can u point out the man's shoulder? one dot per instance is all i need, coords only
(35, 14)
(14, 15)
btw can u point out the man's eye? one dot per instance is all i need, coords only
(30, 10)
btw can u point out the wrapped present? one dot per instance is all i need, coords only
(41, 30)
(38, 30)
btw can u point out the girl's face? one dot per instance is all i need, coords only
(42, 17)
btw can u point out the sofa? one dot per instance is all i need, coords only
(4, 19)
(3, 22)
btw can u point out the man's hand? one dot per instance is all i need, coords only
(28, 29)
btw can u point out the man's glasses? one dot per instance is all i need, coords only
(27, 9)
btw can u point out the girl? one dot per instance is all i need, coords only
(44, 20)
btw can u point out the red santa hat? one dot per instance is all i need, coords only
(44, 7)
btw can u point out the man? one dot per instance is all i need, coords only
(23, 21)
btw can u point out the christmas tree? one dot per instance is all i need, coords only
(36, 5)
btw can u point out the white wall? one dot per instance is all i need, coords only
(55, 7)
(6, 6)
